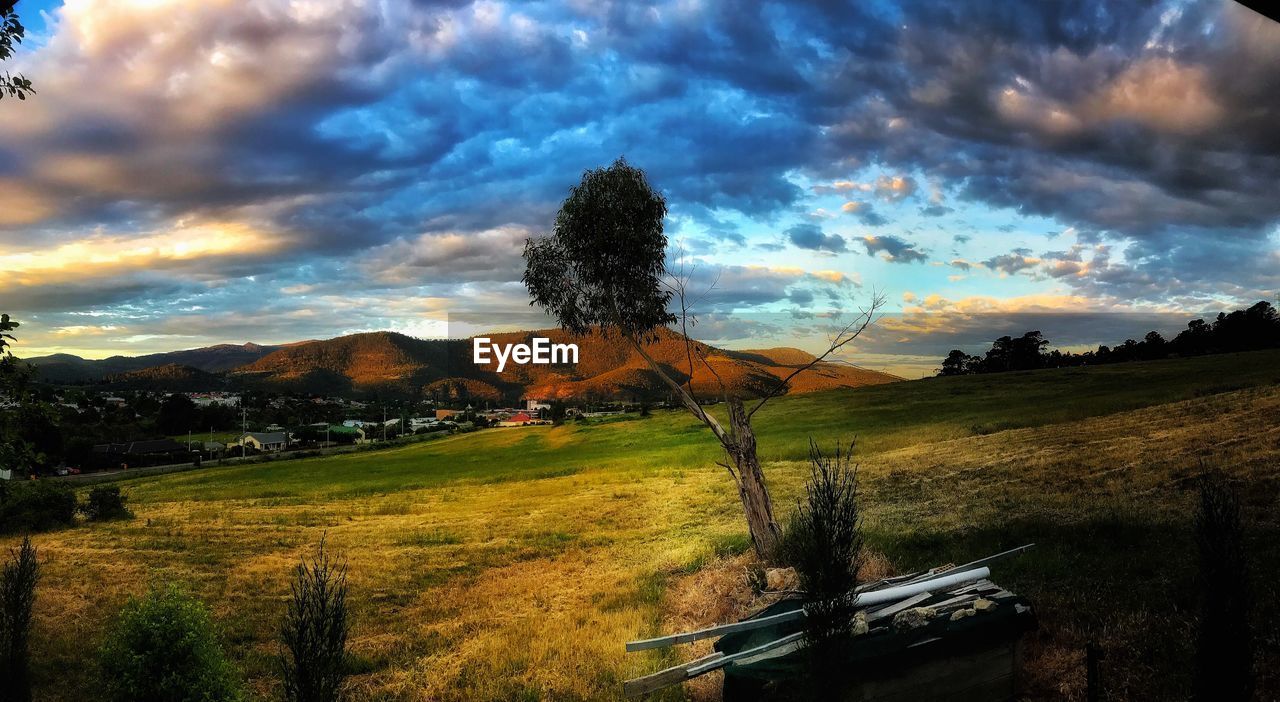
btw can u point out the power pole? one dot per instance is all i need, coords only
(244, 422)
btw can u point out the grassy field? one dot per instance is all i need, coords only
(512, 564)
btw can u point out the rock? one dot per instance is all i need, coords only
(913, 618)
(984, 605)
(962, 613)
(860, 625)
(780, 579)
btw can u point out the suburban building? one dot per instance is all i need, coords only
(265, 441)
(520, 419)
(536, 405)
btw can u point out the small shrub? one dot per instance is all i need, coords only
(314, 633)
(105, 502)
(164, 648)
(823, 542)
(17, 595)
(36, 505)
(1224, 643)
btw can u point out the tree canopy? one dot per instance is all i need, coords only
(605, 259)
(11, 32)
(1256, 327)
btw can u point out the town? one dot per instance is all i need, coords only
(84, 431)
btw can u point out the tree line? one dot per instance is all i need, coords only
(1250, 329)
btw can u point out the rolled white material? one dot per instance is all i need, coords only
(901, 592)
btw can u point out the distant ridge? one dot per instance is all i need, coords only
(170, 376)
(389, 362)
(67, 368)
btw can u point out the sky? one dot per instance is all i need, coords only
(205, 171)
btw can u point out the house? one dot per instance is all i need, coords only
(536, 405)
(446, 413)
(265, 441)
(520, 419)
(352, 423)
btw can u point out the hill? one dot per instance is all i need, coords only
(172, 377)
(512, 563)
(391, 362)
(68, 368)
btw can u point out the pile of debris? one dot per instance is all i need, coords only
(947, 633)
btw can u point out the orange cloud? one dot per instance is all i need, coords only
(1160, 93)
(106, 256)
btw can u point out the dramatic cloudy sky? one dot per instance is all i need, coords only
(200, 171)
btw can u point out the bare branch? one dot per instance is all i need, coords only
(839, 340)
(729, 468)
(685, 398)
(679, 287)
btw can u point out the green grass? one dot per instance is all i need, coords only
(513, 563)
(880, 418)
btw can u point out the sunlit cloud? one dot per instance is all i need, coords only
(105, 256)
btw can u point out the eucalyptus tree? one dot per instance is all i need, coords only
(603, 267)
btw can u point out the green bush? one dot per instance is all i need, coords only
(823, 542)
(313, 637)
(17, 595)
(35, 505)
(164, 648)
(105, 502)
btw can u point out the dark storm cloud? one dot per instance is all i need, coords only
(1012, 262)
(811, 236)
(895, 250)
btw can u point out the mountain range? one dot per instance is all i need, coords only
(388, 362)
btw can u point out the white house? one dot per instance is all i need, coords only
(536, 405)
(265, 441)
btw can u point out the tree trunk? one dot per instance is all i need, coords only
(751, 487)
(739, 442)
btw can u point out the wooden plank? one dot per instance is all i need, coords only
(674, 675)
(895, 608)
(726, 660)
(721, 630)
(955, 600)
(783, 650)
